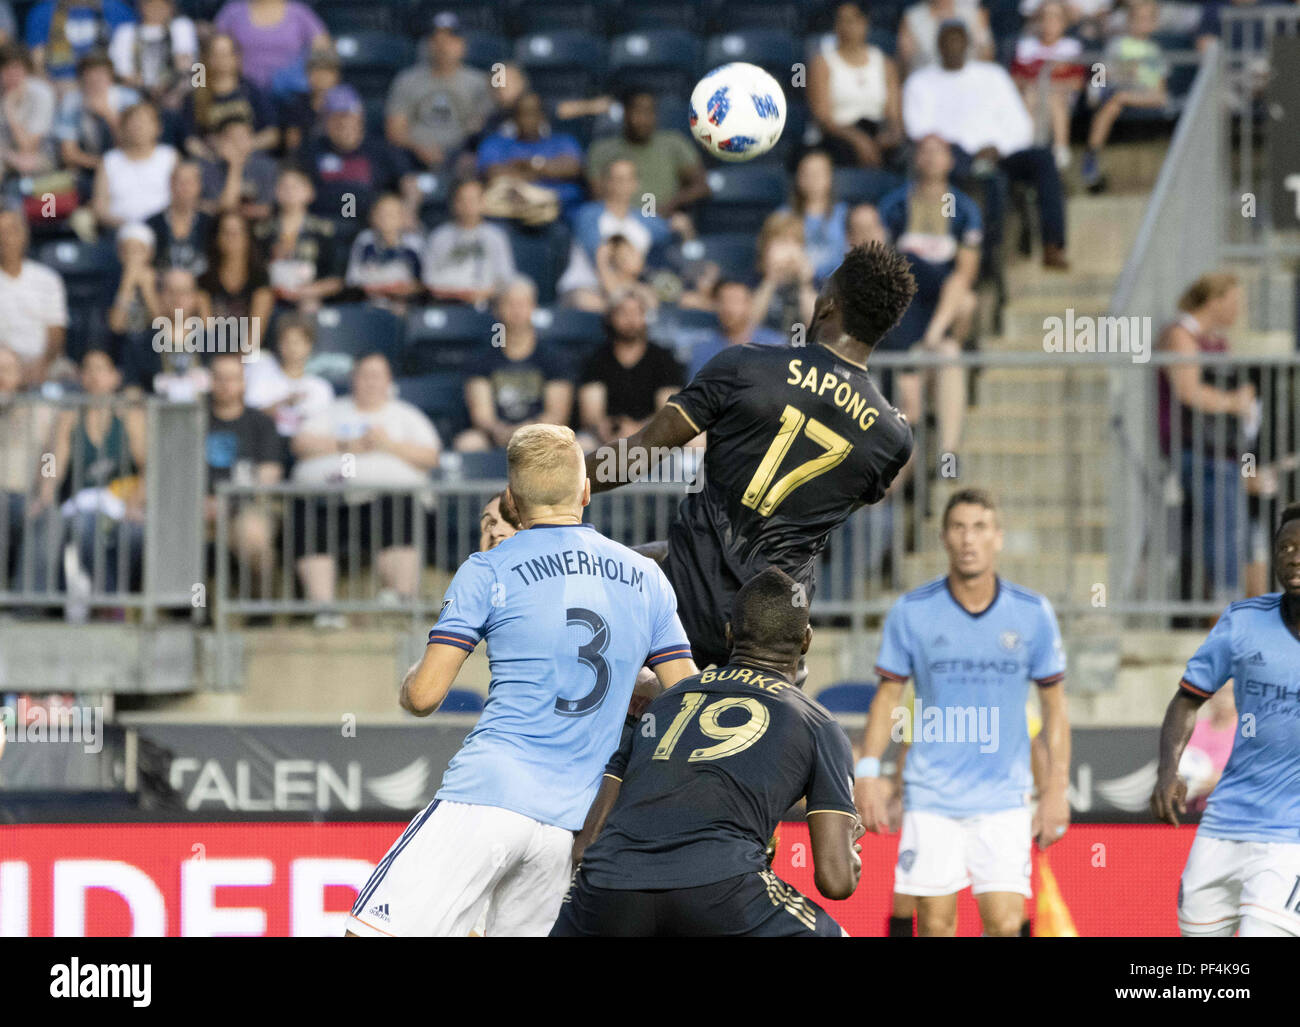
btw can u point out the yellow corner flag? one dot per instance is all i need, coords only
(1052, 919)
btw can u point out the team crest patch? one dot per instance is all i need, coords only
(1009, 640)
(907, 860)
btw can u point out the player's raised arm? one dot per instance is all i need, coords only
(427, 682)
(668, 429)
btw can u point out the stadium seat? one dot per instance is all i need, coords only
(771, 49)
(681, 330)
(370, 59)
(566, 63)
(444, 337)
(662, 14)
(657, 60)
(489, 466)
(484, 49)
(864, 185)
(541, 254)
(742, 196)
(442, 399)
(351, 330)
(847, 697)
(480, 15)
(526, 16)
(89, 272)
(435, 201)
(461, 700)
(1004, 18)
(733, 252)
(575, 333)
(347, 16)
(734, 15)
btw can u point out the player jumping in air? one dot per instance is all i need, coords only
(1243, 874)
(799, 438)
(972, 643)
(569, 618)
(673, 845)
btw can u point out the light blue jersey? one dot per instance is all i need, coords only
(970, 739)
(569, 618)
(1258, 797)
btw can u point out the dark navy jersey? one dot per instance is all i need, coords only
(716, 762)
(799, 438)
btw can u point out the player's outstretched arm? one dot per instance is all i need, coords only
(836, 863)
(1053, 814)
(869, 788)
(1170, 796)
(597, 815)
(426, 684)
(668, 429)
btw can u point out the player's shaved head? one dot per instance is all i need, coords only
(546, 469)
(769, 618)
(1286, 551)
(869, 292)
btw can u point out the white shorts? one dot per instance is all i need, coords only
(456, 862)
(989, 852)
(1227, 880)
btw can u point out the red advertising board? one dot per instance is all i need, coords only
(277, 879)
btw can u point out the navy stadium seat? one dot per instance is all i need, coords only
(733, 252)
(524, 16)
(345, 16)
(371, 58)
(441, 397)
(435, 197)
(480, 15)
(662, 14)
(772, 50)
(444, 337)
(864, 185)
(730, 15)
(484, 49)
(541, 254)
(847, 697)
(347, 331)
(741, 197)
(566, 63)
(574, 333)
(89, 272)
(657, 60)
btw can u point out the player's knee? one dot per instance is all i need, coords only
(1004, 925)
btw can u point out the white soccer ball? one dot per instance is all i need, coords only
(737, 112)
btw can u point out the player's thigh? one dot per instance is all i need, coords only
(1209, 893)
(1270, 888)
(588, 912)
(754, 905)
(526, 899)
(1002, 913)
(936, 916)
(435, 879)
(998, 852)
(931, 855)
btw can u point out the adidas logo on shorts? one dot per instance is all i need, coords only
(380, 911)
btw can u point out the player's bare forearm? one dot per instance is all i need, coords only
(426, 684)
(606, 796)
(668, 429)
(875, 736)
(836, 864)
(672, 671)
(1052, 817)
(1169, 798)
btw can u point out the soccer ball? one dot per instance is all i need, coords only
(737, 112)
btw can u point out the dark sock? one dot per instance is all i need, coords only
(1026, 930)
(900, 927)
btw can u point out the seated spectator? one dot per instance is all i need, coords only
(348, 168)
(467, 260)
(278, 384)
(100, 451)
(668, 164)
(135, 302)
(519, 382)
(183, 232)
(1085, 18)
(33, 303)
(1046, 44)
(619, 268)
(301, 250)
(27, 107)
(618, 212)
(385, 259)
(853, 94)
(236, 283)
(975, 107)
(509, 82)
(437, 106)
(627, 380)
(225, 93)
(161, 363)
(89, 116)
(785, 295)
(25, 437)
(918, 34)
(133, 180)
(157, 55)
(864, 226)
(302, 115)
(937, 228)
(1135, 77)
(61, 32)
(275, 37)
(244, 447)
(371, 440)
(526, 149)
(240, 177)
(825, 219)
(734, 305)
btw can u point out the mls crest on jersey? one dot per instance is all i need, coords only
(1009, 640)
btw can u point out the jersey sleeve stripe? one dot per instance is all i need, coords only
(437, 637)
(680, 652)
(891, 675)
(682, 410)
(1055, 679)
(1193, 689)
(841, 812)
(613, 777)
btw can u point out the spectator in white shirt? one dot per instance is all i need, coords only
(27, 107)
(33, 304)
(278, 384)
(467, 260)
(133, 182)
(975, 107)
(157, 55)
(366, 439)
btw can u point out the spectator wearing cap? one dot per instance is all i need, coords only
(976, 108)
(157, 55)
(182, 231)
(27, 108)
(224, 94)
(89, 116)
(275, 37)
(347, 167)
(467, 260)
(526, 148)
(132, 181)
(918, 33)
(301, 115)
(436, 107)
(668, 165)
(60, 32)
(33, 303)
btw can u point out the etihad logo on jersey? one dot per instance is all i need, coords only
(969, 666)
(842, 394)
(954, 725)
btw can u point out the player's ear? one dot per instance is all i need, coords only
(807, 640)
(586, 491)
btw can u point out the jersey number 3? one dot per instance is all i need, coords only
(593, 655)
(732, 739)
(765, 497)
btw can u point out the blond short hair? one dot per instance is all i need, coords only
(546, 467)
